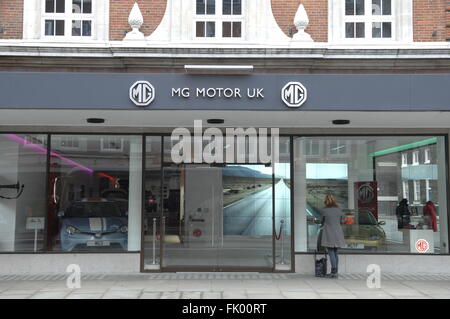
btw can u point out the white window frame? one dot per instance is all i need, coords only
(105, 149)
(416, 190)
(69, 138)
(340, 144)
(428, 189)
(30, 140)
(427, 154)
(218, 18)
(400, 18)
(415, 158)
(309, 147)
(404, 159)
(68, 17)
(368, 18)
(405, 187)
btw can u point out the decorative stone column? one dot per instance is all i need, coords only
(135, 20)
(301, 21)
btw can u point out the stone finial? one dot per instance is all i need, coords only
(135, 19)
(301, 21)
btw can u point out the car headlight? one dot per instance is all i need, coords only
(123, 229)
(72, 230)
(374, 237)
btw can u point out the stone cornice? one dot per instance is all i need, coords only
(316, 57)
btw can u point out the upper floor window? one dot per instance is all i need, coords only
(68, 18)
(112, 144)
(404, 159)
(368, 19)
(415, 159)
(218, 19)
(362, 21)
(427, 156)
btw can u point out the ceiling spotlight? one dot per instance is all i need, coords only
(341, 122)
(94, 120)
(215, 121)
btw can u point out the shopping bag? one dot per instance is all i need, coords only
(320, 265)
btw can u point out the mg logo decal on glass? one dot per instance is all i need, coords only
(142, 93)
(366, 193)
(294, 94)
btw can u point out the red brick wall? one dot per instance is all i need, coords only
(152, 11)
(11, 19)
(430, 20)
(285, 10)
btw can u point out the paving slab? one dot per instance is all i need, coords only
(15, 296)
(84, 296)
(171, 295)
(191, 295)
(122, 294)
(212, 295)
(300, 295)
(337, 296)
(234, 295)
(151, 295)
(194, 285)
(266, 296)
(50, 294)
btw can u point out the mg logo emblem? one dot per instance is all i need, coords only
(366, 194)
(294, 94)
(142, 93)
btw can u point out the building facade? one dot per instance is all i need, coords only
(203, 135)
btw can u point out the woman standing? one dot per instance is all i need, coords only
(332, 233)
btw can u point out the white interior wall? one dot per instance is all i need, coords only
(8, 175)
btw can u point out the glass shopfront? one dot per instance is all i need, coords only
(392, 189)
(215, 216)
(116, 193)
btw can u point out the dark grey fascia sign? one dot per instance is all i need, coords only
(254, 92)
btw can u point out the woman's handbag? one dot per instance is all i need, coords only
(320, 265)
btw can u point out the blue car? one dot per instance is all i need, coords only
(97, 223)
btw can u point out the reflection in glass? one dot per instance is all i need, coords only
(87, 28)
(376, 30)
(211, 7)
(22, 192)
(60, 6)
(200, 29)
(94, 194)
(49, 27)
(210, 29)
(350, 7)
(359, 7)
(226, 7)
(76, 6)
(387, 31)
(76, 27)
(59, 30)
(387, 7)
(349, 30)
(87, 6)
(376, 7)
(372, 185)
(200, 8)
(226, 29)
(49, 6)
(153, 199)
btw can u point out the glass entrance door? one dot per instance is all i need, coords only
(217, 218)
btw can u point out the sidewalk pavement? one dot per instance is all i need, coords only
(223, 286)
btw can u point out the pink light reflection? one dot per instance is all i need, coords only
(44, 151)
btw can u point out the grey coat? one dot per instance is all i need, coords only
(332, 233)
